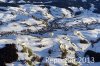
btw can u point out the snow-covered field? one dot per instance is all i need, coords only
(49, 36)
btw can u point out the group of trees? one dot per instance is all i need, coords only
(16, 1)
(31, 1)
(78, 1)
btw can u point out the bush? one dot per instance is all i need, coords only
(8, 54)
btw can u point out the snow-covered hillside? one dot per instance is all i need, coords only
(48, 36)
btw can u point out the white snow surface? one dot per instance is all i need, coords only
(26, 21)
